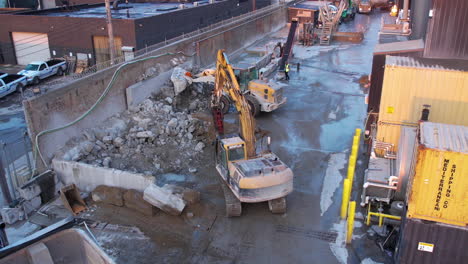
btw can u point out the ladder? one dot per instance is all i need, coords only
(325, 37)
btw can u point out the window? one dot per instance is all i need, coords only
(42, 67)
(236, 152)
(32, 67)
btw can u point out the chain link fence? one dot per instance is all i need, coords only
(16, 160)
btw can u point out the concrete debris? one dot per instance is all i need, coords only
(108, 195)
(133, 199)
(188, 195)
(200, 146)
(155, 136)
(12, 215)
(164, 199)
(180, 80)
(29, 192)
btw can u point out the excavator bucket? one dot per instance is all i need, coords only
(72, 200)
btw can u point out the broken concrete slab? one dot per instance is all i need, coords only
(188, 195)
(88, 177)
(133, 199)
(108, 195)
(164, 199)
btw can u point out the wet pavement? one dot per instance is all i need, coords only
(312, 133)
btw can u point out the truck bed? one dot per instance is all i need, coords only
(11, 78)
(54, 62)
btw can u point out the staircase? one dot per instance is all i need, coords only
(325, 37)
(289, 44)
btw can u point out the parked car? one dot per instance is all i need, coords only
(10, 83)
(39, 70)
(365, 7)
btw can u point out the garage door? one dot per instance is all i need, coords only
(30, 47)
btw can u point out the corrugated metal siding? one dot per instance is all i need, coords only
(447, 35)
(439, 187)
(406, 90)
(444, 137)
(411, 48)
(450, 243)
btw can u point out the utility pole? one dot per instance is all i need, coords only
(110, 31)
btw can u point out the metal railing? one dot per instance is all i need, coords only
(142, 52)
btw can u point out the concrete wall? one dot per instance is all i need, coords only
(243, 35)
(88, 177)
(67, 103)
(75, 34)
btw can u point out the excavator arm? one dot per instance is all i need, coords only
(226, 81)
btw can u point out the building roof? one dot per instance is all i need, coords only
(398, 47)
(444, 137)
(125, 11)
(425, 63)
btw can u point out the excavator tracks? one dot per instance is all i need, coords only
(233, 205)
(277, 206)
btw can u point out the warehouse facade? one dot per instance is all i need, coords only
(39, 35)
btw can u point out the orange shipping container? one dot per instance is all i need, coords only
(438, 189)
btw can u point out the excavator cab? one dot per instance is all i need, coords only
(230, 149)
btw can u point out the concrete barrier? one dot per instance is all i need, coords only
(88, 177)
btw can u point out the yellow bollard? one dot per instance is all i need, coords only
(350, 224)
(351, 169)
(346, 196)
(358, 132)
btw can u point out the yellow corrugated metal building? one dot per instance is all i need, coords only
(410, 83)
(438, 189)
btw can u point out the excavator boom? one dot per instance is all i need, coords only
(226, 81)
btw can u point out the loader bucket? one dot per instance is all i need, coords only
(72, 200)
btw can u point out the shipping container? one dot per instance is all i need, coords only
(425, 242)
(410, 48)
(410, 84)
(438, 189)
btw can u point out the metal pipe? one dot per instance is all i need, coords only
(405, 9)
(379, 185)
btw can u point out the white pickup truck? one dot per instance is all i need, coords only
(38, 70)
(10, 83)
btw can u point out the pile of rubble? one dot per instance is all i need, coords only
(159, 135)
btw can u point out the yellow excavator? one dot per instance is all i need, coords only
(247, 176)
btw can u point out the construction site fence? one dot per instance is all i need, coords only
(143, 52)
(16, 159)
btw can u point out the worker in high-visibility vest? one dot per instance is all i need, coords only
(286, 71)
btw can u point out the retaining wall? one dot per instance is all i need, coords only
(67, 103)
